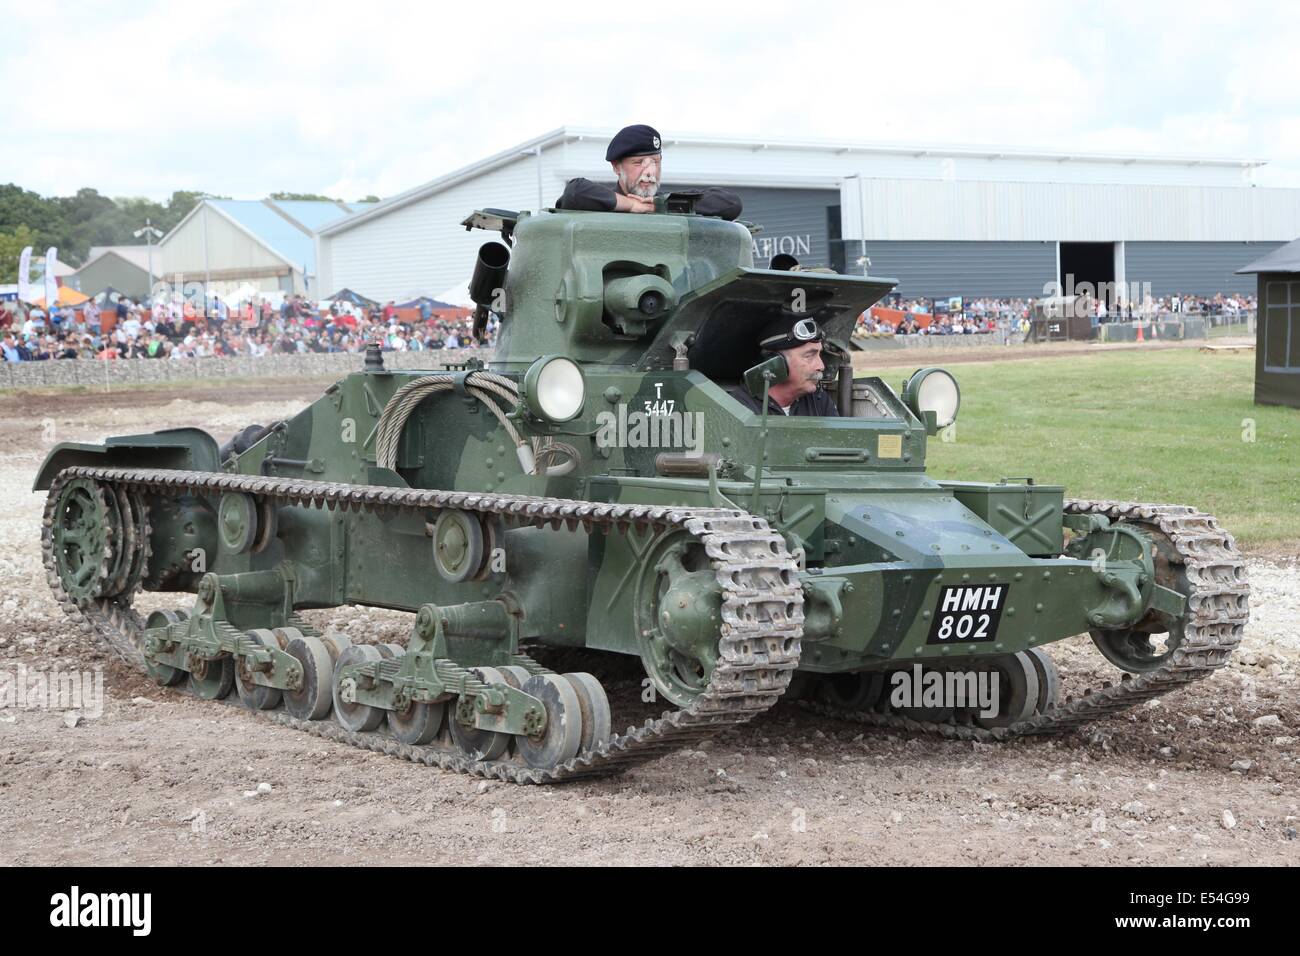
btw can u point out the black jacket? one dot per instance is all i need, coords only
(818, 403)
(597, 197)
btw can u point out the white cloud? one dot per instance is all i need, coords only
(243, 98)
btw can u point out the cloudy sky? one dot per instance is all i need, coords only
(245, 98)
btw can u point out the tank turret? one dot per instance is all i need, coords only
(617, 290)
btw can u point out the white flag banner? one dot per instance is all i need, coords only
(51, 285)
(25, 275)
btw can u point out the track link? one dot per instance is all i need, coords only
(759, 637)
(762, 614)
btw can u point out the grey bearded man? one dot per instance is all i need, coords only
(636, 156)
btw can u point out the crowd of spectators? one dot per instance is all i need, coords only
(944, 316)
(178, 329)
(989, 315)
(1223, 308)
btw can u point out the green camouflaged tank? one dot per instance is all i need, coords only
(596, 486)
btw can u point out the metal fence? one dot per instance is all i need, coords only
(96, 373)
(1198, 324)
(1226, 324)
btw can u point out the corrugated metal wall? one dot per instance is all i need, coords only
(915, 209)
(956, 237)
(940, 269)
(1194, 268)
(793, 220)
(421, 247)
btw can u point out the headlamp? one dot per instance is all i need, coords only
(933, 390)
(555, 388)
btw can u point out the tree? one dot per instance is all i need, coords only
(89, 219)
(22, 207)
(75, 223)
(310, 197)
(12, 245)
(371, 198)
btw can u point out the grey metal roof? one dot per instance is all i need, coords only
(138, 256)
(285, 228)
(1285, 259)
(566, 134)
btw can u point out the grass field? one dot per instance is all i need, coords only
(1171, 426)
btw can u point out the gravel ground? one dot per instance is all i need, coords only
(1207, 775)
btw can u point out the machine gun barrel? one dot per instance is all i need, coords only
(488, 279)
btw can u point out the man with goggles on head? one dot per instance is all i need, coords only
(636, 157)
(799, 341)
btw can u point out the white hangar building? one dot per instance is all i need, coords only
(267, 244)
(944, 221)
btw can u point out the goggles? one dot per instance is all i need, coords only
(805, 330)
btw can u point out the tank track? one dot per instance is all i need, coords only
(1217, 607)
(759, 640)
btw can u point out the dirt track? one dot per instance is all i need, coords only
(160, 778)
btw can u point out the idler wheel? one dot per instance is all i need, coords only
(86, 534)
(1049, 679)
(419, 723)
(474, 743)
(311, 700)
(597, 722)
(212, 680)
(252, 695)
(562, 737)
(1153, 641)
(356, 717)
(678, 617)
(1018, 691)
(1138, 651)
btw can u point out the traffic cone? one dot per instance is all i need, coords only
(1140, 338)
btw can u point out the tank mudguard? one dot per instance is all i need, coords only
(186, 449)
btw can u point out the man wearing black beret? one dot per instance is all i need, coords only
(635, 153)
(799, 339)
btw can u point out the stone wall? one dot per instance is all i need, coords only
(93, 372)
